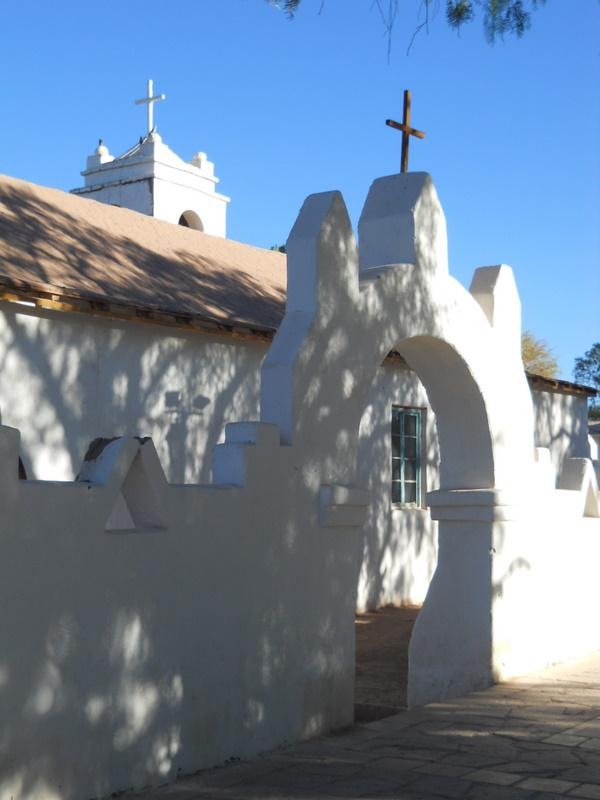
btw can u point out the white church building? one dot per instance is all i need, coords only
(118, 321)
(126, 313)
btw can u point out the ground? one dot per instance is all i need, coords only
(535, 738)
(382, 639)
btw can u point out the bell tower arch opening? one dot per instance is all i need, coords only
(189, 219)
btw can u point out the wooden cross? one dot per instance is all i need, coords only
(149, 101)
(407, 131)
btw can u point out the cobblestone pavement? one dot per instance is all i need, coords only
(535, 737)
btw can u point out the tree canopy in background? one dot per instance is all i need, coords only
(499, 17)
(537, 355)
(587, 371)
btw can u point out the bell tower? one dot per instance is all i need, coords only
(152, 179)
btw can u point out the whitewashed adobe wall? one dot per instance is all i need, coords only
(497, 494)
(220, 621)
(221, 626)
(400, 544)
(561, 425)
(67, 378)
(137, 195)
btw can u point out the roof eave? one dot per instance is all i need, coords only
(57, 298)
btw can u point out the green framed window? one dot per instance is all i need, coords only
(406, 456)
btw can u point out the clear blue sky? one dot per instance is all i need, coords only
(289, 108)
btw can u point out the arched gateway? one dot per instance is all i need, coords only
(347, 307)
(162, 628)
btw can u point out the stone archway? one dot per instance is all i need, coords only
(345, 311)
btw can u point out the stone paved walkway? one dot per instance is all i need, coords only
(536, 737)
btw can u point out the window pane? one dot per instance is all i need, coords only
(410, 447)
(410, 492)
(406, 456)
(410, 424)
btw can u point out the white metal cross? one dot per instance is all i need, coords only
(149, 101)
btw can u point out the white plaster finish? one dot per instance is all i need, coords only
(495, 290)
(165, 627)
(171, 201)
(400, 544)
(594, 451)
(540, 572)
(508, 561)
(152, 179)
(561, 425)
(101, 155)
(136, 195)
(338, 329)
(84, 377)
(545, 472)
(189, 641)
(67, 378)
(465, 349)
(578, 475)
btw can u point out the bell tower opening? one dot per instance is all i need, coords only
(189, 219)
(151, 179)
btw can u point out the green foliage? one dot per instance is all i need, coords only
(500, 17)
(587, 371)
(537, 355)
(280, 248)
(459, 12)
(288, 6)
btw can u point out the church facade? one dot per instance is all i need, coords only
(119, 321)
(206, 464)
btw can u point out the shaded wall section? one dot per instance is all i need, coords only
(400, 544)
(67, 378)
(221, 627)
(561, 425)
